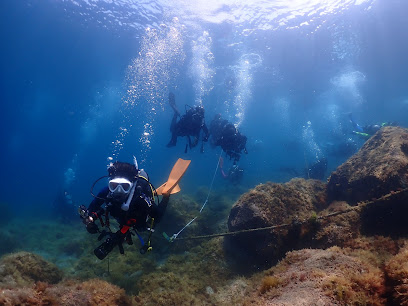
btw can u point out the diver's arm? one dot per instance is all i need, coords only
(94, 211)
(95, 206)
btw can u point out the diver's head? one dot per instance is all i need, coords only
(124, 170)
(122, 177)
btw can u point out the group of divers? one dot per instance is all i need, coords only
(137, 206)
(131, 199)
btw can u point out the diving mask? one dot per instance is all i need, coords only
(120, 185)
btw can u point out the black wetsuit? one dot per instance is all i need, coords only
(217, 126)
(189, 124)
(141, 206)
(227, 136)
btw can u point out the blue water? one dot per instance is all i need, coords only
(85, 81)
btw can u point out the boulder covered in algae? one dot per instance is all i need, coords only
(378, 173)
(28, 279)
(272, 204)
(23, 268)
(380, 166)
(341, 228)
(320, 277)
(91, 292)
(396, 270)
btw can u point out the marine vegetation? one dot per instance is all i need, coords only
(323, 251)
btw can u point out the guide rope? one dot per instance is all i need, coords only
(358, 207)
(174, 237)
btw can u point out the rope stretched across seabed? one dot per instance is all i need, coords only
(358, 207)
(174, 237)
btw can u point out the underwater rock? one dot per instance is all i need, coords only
(23, 269)
(337, 230)
(396, 270)
(91, 292)
(320, 277)
(233, 293)
(379, 167)
(273, 204)
(386, 216)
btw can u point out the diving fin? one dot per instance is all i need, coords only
(171, 186)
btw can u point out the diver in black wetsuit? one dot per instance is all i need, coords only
(129, 198)
(227, 136)
(189, 125)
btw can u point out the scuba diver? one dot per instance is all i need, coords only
(234, 175)
(190, 125)
(227, 136)
(130, 199)
(367, 131)
(216, 128)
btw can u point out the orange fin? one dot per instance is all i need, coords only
(171, 186)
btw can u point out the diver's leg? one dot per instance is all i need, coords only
(189, 141)
(173, 125)
(172, 102)
(173, 141)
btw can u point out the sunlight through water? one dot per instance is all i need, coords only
(258, 14)
(163, 26)
(201, 70)
(147, 80)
